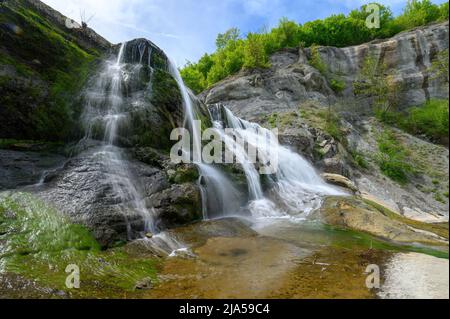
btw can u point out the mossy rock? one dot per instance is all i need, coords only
(184, 174)
(38, 243)
(355, 214)
(45, 71)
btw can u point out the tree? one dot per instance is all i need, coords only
(418, 13)
(254, 53)
(223, 39)
(193, 78)
(376, 82)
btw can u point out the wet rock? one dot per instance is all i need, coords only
(19, 169)
(198, 233)
(176, 205)
(355, 214)
(340, 181)
(83, 189)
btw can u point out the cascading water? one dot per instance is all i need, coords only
(294, 190)
(219, 195)
(105, 110)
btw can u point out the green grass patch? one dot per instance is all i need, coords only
(430, 119)
(392, 158)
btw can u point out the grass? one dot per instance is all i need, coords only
(430, 119)
(359, 158)
(392, 158)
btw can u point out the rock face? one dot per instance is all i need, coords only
(409, 54)
(291, 80)
(43, 66)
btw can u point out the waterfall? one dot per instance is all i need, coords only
(105, 111)
(294, 190)
(220, 197)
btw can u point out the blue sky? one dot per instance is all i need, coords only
(185, 29)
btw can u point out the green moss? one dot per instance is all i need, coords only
(58, 67)
(39, 243)
(185, 174)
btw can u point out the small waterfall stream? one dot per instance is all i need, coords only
(218, 193)
(105, 109)
(294, 190)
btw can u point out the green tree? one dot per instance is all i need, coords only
(193, 78)
(254, 52)
(375, 81)
(223, 39)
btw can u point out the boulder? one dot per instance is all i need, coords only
(340, 181)
(355, 214)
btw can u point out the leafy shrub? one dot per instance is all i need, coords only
(392, 158)
(430, 119)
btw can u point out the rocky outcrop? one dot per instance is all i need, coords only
(408, 55)
(43, 66)
(46, 61)
(291, 80)
(352, 213)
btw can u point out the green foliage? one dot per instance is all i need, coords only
(333, 125)
(392, 157)
(419, 12)
(254, 52)
(431, 119)
(375, 82)
(232, 35)
(316, 60)
(337, 85)
(439, 67)
(359, 158)
(233, 53)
